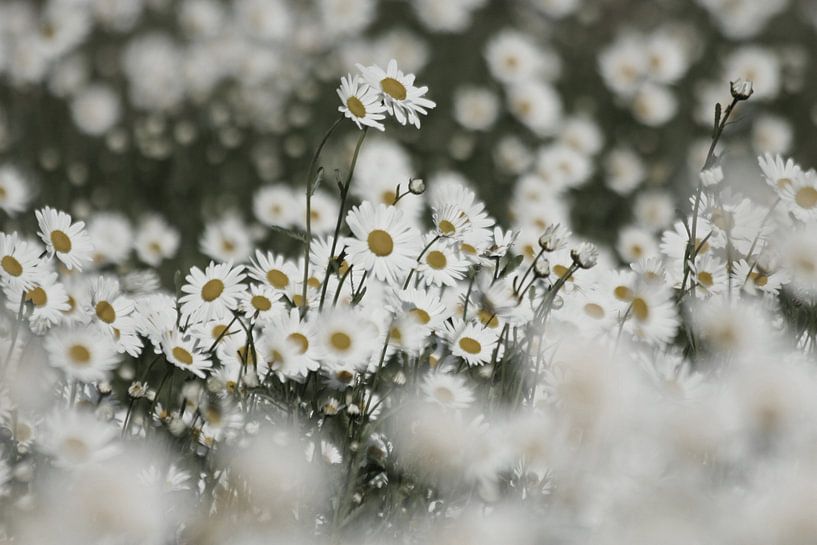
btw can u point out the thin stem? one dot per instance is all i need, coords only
(344, 193)
(310, 173)
(419, 257)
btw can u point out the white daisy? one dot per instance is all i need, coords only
(226, 240)
(442, 264)
(385, 243)
(76, 438)
(449, 391)
(14, 191)
(800, 196)
(402, 99)
(273, 270)
(777, 172)
(260, 302)
(155, 240)
(20, 264)
(346, 337)
(48, 301)
(68, 241)
(472, 342)
(85, 353)
(360, 103)
(212, 292)
(184, 352)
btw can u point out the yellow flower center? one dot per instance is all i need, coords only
(806, 197)
(560, 270)
(444, 394)
(393, 88)
(60, 241)
(37, 296)
(356, 107)
(212, 289)
(640, 309)
(420, 315)
(340, 341)
(705, 279)
(380, 243)
(388, 197)
(470, 345)
(79, 354)
(300, 341)
(446, 227)
(623, 293)
(488, 319)
(277, 279)
(436, 260)
(182, 356)
(259, 302)
(105, 312)
(218, 330)
(594, 311)
(11, 265)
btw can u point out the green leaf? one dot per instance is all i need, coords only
(292, 233)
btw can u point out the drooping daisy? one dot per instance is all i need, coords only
(472, 342)
(20, 264)
(68, 241)
(449, 391)
(402, 99)
(184, 352)
(212, 292)
(361, 103)
(346, 337)
(85, 353)
(385, 244)
(442, 265)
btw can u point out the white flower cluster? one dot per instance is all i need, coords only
(399, 381)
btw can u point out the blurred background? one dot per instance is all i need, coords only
(190, 108)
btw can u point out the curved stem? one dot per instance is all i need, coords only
(310, 173)
(344, 193)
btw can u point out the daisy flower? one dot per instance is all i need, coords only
(184, 352)
(48, 299)
(226, 240)
(280, 355)
(14, 191)
(450, 221)
(442, 265)
(424, 307)
(274, 271)
(260, 302)
(360, 103)
(777, 172)
(385, 243)
(651, 314)
(68, 241)
(402, 99)
(108, 304)
(76, 438)
(346, 337)
(85, 353)
(449, 391)
(800, 196)
(213, 292)
(300, 334)
(19, 262)
(156, 241)
(472, 342)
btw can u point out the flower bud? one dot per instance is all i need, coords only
(586, 255)
(742, 89)
(417, 186)
(541, 268)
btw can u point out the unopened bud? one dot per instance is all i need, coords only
(541, 268)
(417, 186)
(586, 255)
(742, 89)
